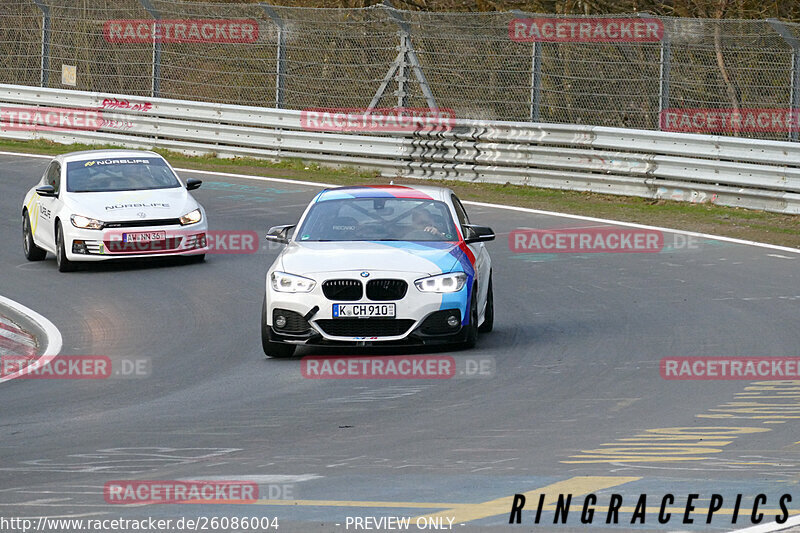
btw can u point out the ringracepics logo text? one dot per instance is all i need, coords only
(649, 509)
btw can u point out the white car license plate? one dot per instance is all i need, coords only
(363, 310)
(144, 236)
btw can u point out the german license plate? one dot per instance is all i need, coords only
(144, 236)
(363, 310)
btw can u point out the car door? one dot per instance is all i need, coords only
(47, 207)
(482, 260)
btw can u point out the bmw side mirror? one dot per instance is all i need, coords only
(474, 233)
(279, 233)
(46, 190)
(193, 183)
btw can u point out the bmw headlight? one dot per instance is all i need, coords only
(193, 217)
(283, 282)
(83, 222)
(452, 282)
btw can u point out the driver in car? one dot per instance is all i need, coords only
(422, 224)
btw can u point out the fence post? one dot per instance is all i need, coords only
(663, 75)
(280, 57)
(409, 57)
(44, 75)
(534, 100)
(536, 80)
(794, 42)
(155, 84)
(402, 71)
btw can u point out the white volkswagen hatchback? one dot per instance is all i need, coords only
(377, 266)
(109, 204)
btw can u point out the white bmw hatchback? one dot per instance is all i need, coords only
(110, 204)
(378, 266)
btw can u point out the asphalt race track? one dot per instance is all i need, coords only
(575, 403)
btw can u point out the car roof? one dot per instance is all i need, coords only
(85, 155)
(386, 191)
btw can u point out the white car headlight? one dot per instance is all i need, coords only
(283, 282)
(80, 221)
(451, 282)
(192, 217)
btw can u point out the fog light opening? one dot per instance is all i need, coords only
(79, 247)
(280, 321)
(453, 321)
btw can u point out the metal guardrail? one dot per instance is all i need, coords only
(748, 173)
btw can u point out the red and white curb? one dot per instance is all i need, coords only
(16, 341)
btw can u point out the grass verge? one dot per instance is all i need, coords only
(740, 223)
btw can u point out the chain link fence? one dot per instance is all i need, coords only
(383, 57)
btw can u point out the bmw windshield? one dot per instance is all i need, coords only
(378, 219)
(120, 174)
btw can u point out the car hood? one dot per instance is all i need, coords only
(129, 205)
(420, 257)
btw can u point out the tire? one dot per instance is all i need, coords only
(488, 314)
(32, 252)
(199, 258)
(472, 329)
(64, 264)
(272, 349)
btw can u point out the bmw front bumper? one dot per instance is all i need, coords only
(420, 317)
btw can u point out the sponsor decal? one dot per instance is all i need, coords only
(116, 162)
(396, 119)
(114, 103)
(586, 30)
(158, 205)
(730, 368)
(726, 120)
(133, 31)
